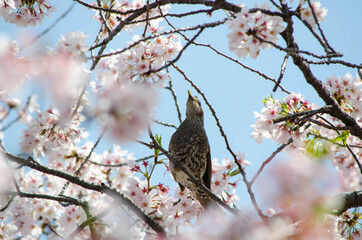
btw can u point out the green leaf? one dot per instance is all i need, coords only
(235, 172)
(267, 99)
(284, 108)
(342, 137)
(158, 140)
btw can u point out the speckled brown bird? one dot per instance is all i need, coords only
(189, 147)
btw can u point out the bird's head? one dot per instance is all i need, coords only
(193, 108)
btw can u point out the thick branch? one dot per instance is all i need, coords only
(350, 200)
(272, 156)
(318, 86)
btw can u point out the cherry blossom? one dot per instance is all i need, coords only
(245, 26)
(12, 69)
(113, 20)
(347, 91)
(25, 13)
(135, 63)
(264, 128)
(123, 110)
(73, 43)
(48, 131)
(307, 14)
(124, 90)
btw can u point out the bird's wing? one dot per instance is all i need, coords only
(208, 173)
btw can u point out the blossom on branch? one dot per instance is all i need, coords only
(113, 19)
(137, 63)
(317, 137)
(74, 44)
(25, 13)
(307, 14)
(245, 26)
(50, 131)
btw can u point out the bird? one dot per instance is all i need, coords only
(189, 147)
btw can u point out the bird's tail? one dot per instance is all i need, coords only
(204, 198)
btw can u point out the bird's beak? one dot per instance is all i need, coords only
(190, 96)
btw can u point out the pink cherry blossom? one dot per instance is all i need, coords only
(124, 6)
(47, 132)
(123, 110)
(244, 25)
(307, 15)
(24, 13)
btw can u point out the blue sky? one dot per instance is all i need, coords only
(235, 93)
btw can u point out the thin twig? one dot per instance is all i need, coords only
(348, 147)
(18, 117)
(164, 124)
(147, 18)
(104, 21)
(170, 87)
(316, 122)
(272, 156)
(243, 65)
(308, 113)
(59, 199)
(76, 173)
(58, 20)
(331, 61)
(326, 45)
(123, 164)
(282, 70)
(7, 204)
(292, 50)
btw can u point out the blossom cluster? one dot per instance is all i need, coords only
(25, 13)
(117, 169)
(264, 128)
(247, 27)
(123, 110)
(140, 58)
(291, 183)
(310, 136)
(50, 131)
(12, 68)
(306, 13)
(74, 44)
(127, 8)
(122, 76)
(347, 91)
(62, 71)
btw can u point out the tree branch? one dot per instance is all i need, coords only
(309, 113)
(323, 93)
(268, 160)
(102, 188)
